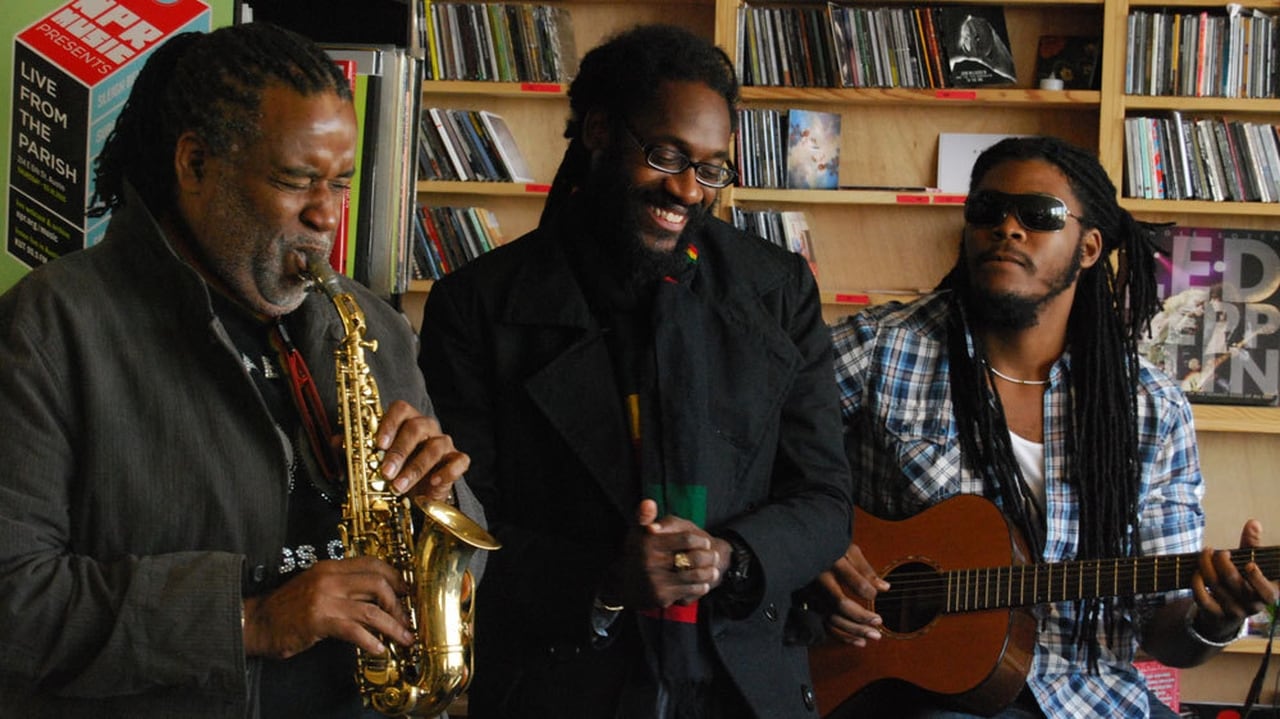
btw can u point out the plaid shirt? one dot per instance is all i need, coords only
(904, 449)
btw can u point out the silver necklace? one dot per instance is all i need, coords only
(1015, 380)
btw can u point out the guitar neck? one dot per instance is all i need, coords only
(970, 590)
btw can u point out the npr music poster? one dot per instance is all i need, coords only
(69, 70)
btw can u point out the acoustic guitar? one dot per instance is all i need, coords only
(957, 621)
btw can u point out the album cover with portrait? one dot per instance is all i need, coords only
(975, 41)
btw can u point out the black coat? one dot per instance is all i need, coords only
(522, 379)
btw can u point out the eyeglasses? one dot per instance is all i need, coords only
(673, 162)
(1035, 212)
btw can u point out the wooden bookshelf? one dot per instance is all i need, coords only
(877, 244)
(1237, 418)
(902, 243)
(537, 112)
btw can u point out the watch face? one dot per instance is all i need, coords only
(740, 563)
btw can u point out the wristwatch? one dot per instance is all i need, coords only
(739, 562)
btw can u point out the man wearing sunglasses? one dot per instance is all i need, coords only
(647, 399)
(1019, 380)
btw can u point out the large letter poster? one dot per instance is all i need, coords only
(1218, 333)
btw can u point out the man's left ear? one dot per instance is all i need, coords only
(1091, 249)
(189, 161)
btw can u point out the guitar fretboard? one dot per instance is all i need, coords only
(969, 590)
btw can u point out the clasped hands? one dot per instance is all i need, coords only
(665, 562)
(358, 599)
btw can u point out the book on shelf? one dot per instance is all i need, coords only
(885, 46)
(1174, 156)
(434, 162)
(1073, 59)
(388, 163)
(369, 68)
(957, 151)
(459, 234)
(1227, 52)
(975, 41)
(427, 264)
(436, 239)
(470, 145)
(813, 149)
(760, 147)
(342, 234)
(1218, 331)
(445, 138)
(557, 28)
(485, 157)
(499, 42)
(788, 229)
(844, 45)
(797, 236)
(504, 143)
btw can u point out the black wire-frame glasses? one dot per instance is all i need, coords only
(664, 158)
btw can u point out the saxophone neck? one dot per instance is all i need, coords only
(325, 280)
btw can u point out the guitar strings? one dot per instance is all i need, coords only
(1045, 580)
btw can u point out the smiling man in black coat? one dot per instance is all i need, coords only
(647, 398)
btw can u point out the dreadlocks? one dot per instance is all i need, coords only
(210, 84)
(1113, 305)
(622, 77)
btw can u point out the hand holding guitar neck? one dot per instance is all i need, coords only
(1226, 594)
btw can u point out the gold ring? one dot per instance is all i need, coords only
(681, 561)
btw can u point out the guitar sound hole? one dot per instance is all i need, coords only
(910, 605)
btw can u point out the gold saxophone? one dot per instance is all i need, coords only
(421, 680)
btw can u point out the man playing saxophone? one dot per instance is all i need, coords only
(172, 487)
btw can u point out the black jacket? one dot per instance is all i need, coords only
(521, 377)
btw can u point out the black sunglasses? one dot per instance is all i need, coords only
(1035, 212)
(673, 162)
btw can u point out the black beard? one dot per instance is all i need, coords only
(616, 206)
(1007, 311)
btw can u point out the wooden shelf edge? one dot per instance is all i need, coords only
(1186, 103)
(855, 300)
(1261, 5)
(1248, 645)
(984, 97)
(523, 90)
(846, 197)
(1236, 418)
(1202, 207)
(503, 189)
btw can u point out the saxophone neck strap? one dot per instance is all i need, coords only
(306, 398)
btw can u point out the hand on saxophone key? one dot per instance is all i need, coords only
(355, 599)
(415, 447)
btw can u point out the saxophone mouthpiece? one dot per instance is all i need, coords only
(321, 273)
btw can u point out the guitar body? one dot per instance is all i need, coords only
(977, 661)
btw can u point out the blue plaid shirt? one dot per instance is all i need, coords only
(904, 449)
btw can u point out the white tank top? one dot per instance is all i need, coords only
(1030, 458)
